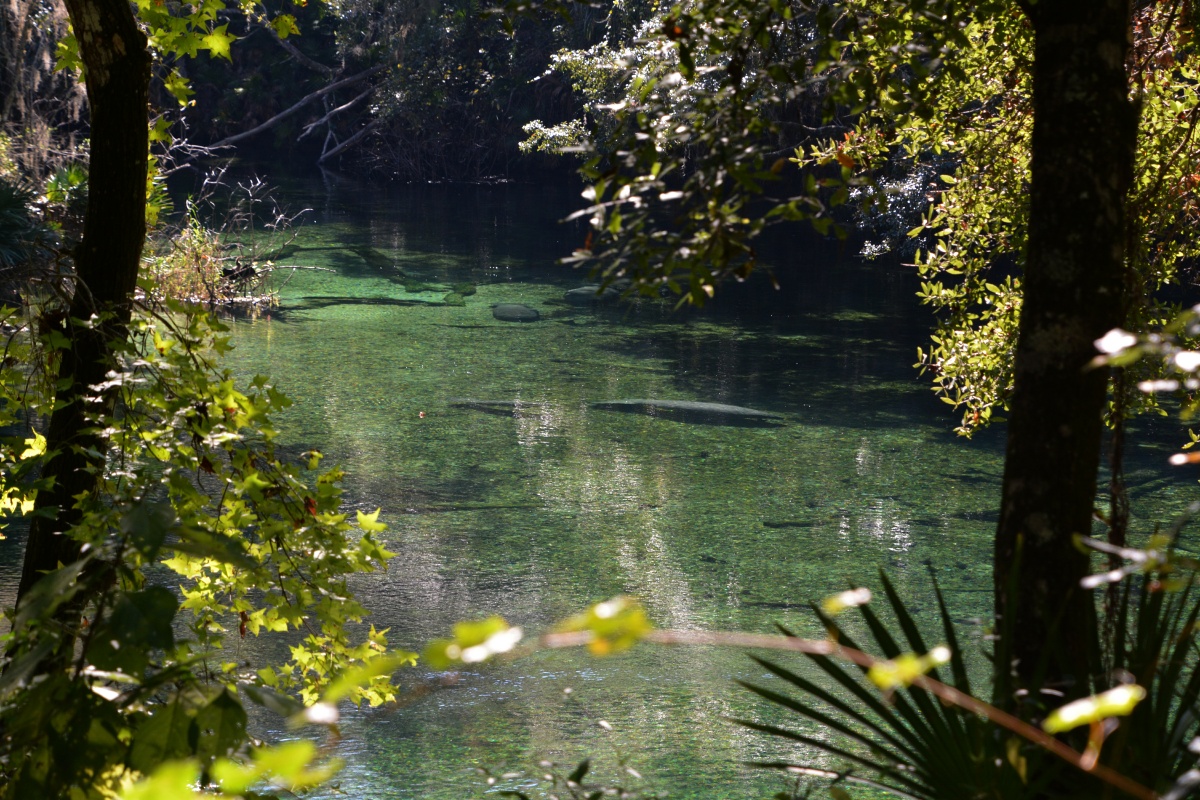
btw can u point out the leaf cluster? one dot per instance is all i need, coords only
(202, 533)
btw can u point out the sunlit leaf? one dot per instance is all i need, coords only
(1116, 702)
(615, 625)
(902, 670)
(217, 42)
(172, 780)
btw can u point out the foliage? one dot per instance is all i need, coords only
(191, 267)
(678, 204)
(67, 187)
(18, 230)
(911, 744)
(932, 104)
(465, 85)
(899, 728)
(972, 237)
(914, 746)
(8, 167)
(194, 494)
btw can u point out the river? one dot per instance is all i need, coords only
(537, 510)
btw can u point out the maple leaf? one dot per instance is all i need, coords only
(217, 42)
(285, 25)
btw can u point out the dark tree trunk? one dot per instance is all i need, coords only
(117, 75)
(1084, 137)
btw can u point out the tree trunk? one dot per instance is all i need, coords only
(1084, 137)
(117, 67)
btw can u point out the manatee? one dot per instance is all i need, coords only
(373, 257)
(484, 404)
(590, 294)
(515, 312)
(691, 411)
(503, 407)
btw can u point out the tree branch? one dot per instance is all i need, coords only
(346, 145)
(313, 125)
(282, 115)
(295, 53)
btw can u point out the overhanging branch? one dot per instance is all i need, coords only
(282, 115)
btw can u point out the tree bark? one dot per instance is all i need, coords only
(117, 66)
(1084, 138)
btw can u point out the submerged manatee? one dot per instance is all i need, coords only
(591, 294)
(515, 312)
(498, 407)
(691, 411)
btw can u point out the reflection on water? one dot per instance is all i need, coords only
(537, 505)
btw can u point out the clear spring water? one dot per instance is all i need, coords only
(537, 512)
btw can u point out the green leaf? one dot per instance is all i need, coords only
(906, 668)
(219, 727)
(1118, 702)
(285, 25)
(577, 774)
(170, 781)
(66, 54)
(217, 42)
(139, 622)
(473, 642)
(370, 522)
(203, 544)
(344, 685)
(147, 525)
(162, 737)
(178, 86)
(615, 625)
(286, 764)
(18, 672)
(284, 705)
(50, 591)
(34, 447)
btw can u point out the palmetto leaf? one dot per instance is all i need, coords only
(914, 744)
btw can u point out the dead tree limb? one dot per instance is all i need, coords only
(346, 145)
(309, 128)
(317, 95)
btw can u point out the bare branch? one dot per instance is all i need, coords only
(282, 115)
(346, 145)
(313, 125)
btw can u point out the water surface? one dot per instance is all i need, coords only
(536, 510)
